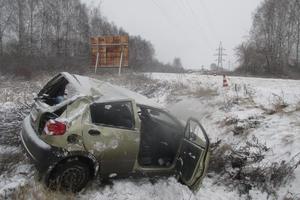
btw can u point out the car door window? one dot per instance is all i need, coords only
(116, 114)
(194, 132)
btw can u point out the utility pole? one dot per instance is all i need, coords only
(220, 56)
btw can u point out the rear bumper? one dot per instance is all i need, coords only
(43, 155)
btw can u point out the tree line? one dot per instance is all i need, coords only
(39, 34)
(274, 43)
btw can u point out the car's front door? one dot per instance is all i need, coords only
(193, 154)
(111, 133)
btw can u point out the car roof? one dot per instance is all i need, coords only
(107, 92)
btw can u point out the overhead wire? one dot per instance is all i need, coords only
(182, 7)
(170, 21)
(207, 15)
(196, 27)
(190, 13)
(186, 10)
(163, 12)
(195, 19)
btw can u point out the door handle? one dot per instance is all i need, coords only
(94, 132)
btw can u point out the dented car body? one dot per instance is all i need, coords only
(80, 128)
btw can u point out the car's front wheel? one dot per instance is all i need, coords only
(71, 176)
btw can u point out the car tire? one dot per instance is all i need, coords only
(70, 176)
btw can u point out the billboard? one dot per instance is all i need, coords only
(111, 50)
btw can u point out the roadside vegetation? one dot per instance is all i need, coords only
(54, 35)
(273, 47)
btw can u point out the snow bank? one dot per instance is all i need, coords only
(247, 102)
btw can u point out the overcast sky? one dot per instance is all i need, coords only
(189, 29)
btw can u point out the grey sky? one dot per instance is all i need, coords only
(189, 29)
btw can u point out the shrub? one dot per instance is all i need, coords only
(241, 167)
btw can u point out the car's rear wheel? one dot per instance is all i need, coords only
(71, 176)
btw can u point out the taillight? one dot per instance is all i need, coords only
(54, 127)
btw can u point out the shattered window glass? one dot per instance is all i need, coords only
(70, 91)
(196, 132)
(117, 114)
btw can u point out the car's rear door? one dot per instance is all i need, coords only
(111, 133)
(193, 154)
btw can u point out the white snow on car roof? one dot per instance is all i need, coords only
(107, 91)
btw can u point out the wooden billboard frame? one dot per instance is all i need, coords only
(110, 51)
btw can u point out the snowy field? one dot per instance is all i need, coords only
(254, 126)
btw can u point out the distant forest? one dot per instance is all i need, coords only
(38, 35)
(273, 47)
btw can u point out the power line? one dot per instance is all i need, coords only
(193, 15)
(178, 2)
(207, 15)
(191, 9)
(198, 22)
(164, 14)
(189, 12)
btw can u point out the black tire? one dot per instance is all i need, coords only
(70, 176)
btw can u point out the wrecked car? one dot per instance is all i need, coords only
(80, 128)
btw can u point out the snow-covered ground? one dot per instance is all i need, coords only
(268, 109)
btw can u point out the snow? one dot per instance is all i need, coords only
(99, 146)
(113, 175)
(280, 131)
(214, 108)
(8, 149)
(109, 92)
(161, 189)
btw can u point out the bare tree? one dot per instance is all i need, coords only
(275, 35)
(297, 21)
(21, 26)
(32, 7)
(6, 12)
(177, 63)
(55, 32)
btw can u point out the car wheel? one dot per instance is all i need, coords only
(71, 176)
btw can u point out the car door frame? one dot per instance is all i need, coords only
(153, 171)
(132, 135)
(201, 166)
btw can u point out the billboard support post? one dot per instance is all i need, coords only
(121, 60)
(97, 60)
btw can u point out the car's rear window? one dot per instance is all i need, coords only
(56, 91)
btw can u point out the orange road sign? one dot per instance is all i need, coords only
(110, 51)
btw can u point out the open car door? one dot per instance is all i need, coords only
(193, 157)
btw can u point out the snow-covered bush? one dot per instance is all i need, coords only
(241, 167)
